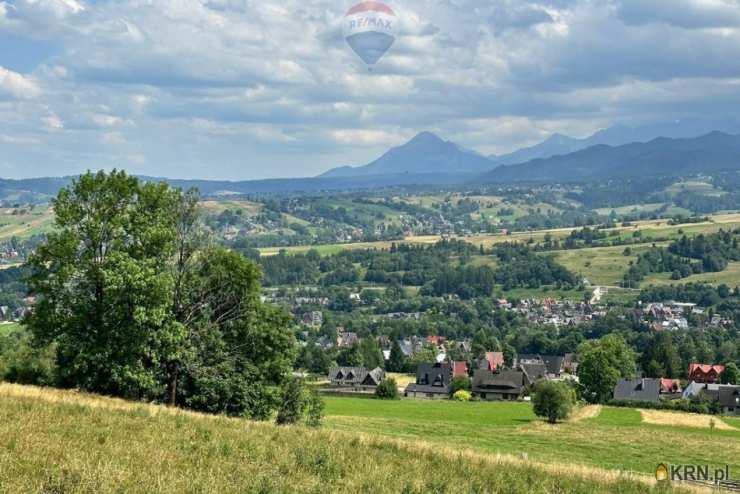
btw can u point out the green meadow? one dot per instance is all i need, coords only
(68, 442)
(609, 438)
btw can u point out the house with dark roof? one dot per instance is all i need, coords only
(728, 396)
(638, 390)
(433, 381)
(729, 399)
(356, 379)
(703, 373)
(534, 372)
(504, 385)
(556, 365)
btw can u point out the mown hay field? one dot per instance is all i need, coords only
(67, 442)
(615, 438)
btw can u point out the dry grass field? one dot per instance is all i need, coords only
(68, 442)
(660, 417)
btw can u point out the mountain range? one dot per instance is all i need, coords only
(430, 160)
(663, 156)
(429, 154)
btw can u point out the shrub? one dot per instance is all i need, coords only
(314, 409)
(387, 390)
(553, 400)
(293, 403)
(23, 363)
(460, 383)
(462, 395)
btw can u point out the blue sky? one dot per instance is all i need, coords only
(243, 89)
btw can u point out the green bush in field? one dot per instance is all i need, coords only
(23, 363)
(461, 383)
(315, 409)
(293, 404)
(387, 390)
(462, 395)
(553, 400)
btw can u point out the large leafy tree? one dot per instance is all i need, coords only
(138, 307)
(103, 286)
(601, 364)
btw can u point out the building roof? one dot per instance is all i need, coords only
(637, 390)
(509, 381)
(729, 396)
(492, 361)
(432, 378)
(706, 368)
(459, 369)
(357, 375)
(533, 372)
(670, 386)
(554, 363)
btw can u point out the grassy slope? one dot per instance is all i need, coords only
(39, 220)
(57, 441)
(615, 439)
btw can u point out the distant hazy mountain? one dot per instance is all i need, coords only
(713, 152)
(424, 154)
(618, 135)
(552, 146)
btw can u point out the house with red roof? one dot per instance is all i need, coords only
(670, 388)
(459, 369)
(703, 373)
(492, 361)
(436, 340)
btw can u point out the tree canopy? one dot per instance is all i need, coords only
(138, 305)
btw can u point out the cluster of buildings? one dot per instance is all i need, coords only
(662, 316)
(555, 312)
(672, 316)
(490, 378)
(703, 385)
(9, 255)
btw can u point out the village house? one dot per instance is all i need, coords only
(508, 385)
(638, 390)
(703, 373)
(356, 379)
(491, 361)
(346, 339)
(314, 318)
(670, 389)
(556, 366)
(433, 381)
(459, 369)
(726, 395)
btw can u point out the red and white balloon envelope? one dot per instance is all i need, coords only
(370, 30)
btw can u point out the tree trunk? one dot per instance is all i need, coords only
(172, 387)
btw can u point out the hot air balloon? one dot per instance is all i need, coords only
(369, 29)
